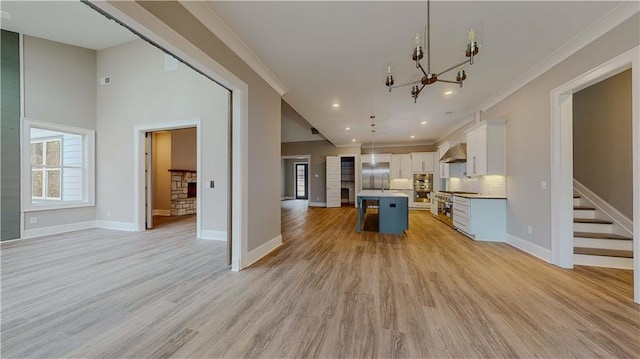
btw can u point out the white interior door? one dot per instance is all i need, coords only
(333, 181)
(148, 179)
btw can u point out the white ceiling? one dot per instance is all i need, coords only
(327, 52)
(69, 22)
(336, 52)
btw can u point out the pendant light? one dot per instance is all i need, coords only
(373, 139)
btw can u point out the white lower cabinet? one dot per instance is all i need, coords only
(483, 219)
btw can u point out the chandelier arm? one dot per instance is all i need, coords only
(451, 82)
(453, 67)
(422, 69)
(405, 84)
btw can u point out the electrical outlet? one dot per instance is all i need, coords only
(543, 185)
(529, 230)
(33, 220)
(105, 80)
(317, 198)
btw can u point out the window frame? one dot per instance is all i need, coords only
(88, 167)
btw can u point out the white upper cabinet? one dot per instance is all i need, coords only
(486, 148)
(400, 166)
(423, 161)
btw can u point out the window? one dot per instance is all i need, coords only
(57, 166)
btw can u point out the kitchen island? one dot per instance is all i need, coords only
(393, 210)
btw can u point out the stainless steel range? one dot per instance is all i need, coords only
(445, 205)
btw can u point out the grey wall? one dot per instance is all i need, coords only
(10, 153)
(318, 150)
(142, 92)
(528, 132)
(602, 143)
(263, 175)
(60, 87)
(184, 149)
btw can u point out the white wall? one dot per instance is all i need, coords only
(59, 87)
(141, 92)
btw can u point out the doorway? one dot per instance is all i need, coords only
(171, 177)
(302, 180)
(562, 244)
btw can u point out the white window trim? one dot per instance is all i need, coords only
(88, 164)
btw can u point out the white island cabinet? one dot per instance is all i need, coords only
(481, 218)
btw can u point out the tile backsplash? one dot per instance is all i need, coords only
(485, 185)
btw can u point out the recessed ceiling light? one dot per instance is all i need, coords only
(424, 122)
(448, 92)
(347, 128)
(336, 105)
(353, 140)
(412, 136)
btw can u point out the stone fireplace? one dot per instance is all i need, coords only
(183, 192)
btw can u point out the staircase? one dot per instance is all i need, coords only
(597, 240)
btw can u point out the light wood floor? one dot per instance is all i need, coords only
(327, 292)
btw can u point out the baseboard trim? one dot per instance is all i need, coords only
(317, 204)
(287, 198)
(528, 247)
(263, 250)
(213, 235)
(63, 228)
(120, 226)
(161, 212)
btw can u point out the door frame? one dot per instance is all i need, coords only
(139, 162)
(295, 179)
(302, 158)
(357, 163)
(140, 21)
(562, 158)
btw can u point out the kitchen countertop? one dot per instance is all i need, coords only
(478, 196)
(379, 193)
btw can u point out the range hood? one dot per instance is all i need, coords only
(455, 154)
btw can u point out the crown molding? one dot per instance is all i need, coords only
(613, 18)
(212, 21)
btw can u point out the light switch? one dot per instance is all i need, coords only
(543, 185)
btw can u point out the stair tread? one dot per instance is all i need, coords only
(601, 235)
(603, 252)
(584, 208)
(591, 220)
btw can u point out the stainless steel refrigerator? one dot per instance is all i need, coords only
(374, 176)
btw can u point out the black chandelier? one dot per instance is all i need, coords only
(428, 77)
